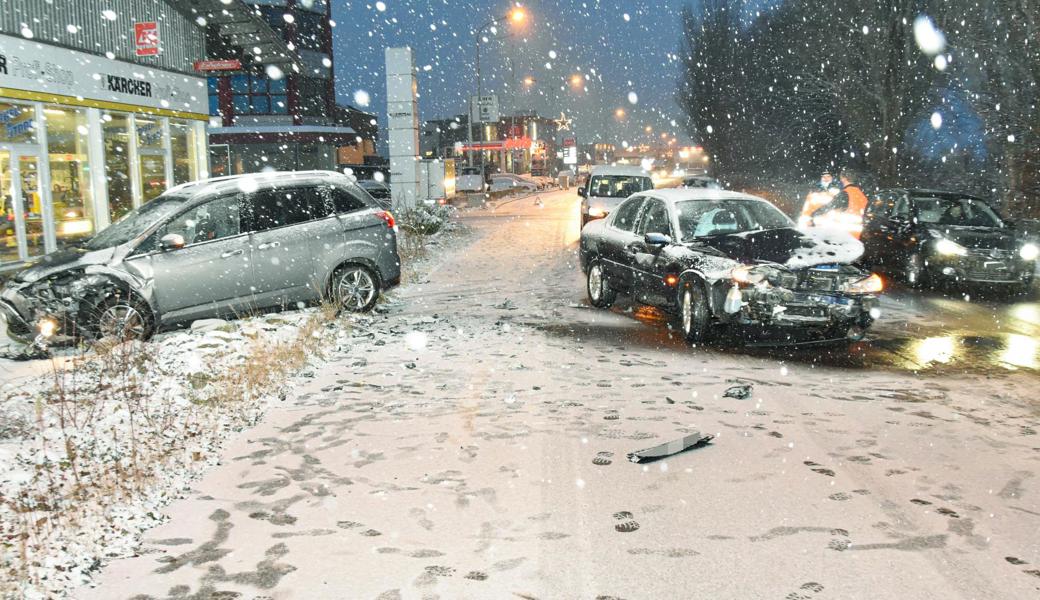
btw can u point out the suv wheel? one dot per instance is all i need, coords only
(121, 318)
(355, 288)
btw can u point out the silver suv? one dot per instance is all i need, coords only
(214, 248)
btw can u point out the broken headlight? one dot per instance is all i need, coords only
(871, 284)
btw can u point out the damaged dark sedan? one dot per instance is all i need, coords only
(728, 262)
(217, 248)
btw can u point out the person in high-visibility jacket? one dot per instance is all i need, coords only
(823, 192)
(846, 210)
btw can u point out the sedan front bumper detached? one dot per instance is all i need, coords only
(816, 314)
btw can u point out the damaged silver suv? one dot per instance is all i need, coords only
(214, 248)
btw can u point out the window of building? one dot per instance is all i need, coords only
(115, 133)
(70, 172)
(151, 157)
(17, 123)
(183, 150)
(257, 95)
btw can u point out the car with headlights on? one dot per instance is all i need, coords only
(607, 186)
(940, 238)
(725, 262)
(214, 248)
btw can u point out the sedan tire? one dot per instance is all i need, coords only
(694, 315)
(601, 295)
(915, 271)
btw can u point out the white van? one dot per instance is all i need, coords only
(607, 186)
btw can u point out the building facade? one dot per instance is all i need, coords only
(518, 143)
(283, 117)
(100, 111)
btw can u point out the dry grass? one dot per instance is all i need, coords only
(83, 465)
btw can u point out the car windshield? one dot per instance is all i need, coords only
(702, 218)
(618, 186)
(959, 211)
(135, 222)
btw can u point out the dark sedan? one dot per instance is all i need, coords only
(379, 191)
(929, 237)
(723, 260)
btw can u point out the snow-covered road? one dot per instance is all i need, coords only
(472, 445)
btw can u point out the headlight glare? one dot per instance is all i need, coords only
(1029, 252)
(868, 285)
(950, 248)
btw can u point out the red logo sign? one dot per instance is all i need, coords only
(146, 38)
(568, 142)
(231, 64)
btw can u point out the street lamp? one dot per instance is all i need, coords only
(577, 80)
(517, 16)
(619, 113)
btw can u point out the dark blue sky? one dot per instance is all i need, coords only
(618, 55)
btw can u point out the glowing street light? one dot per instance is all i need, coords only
(619, 113)
(518, 15)
(529, 81)
(577, 80)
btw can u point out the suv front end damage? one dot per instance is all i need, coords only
(56, 308)
(817, 303)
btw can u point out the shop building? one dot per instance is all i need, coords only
(100, 111)
(282, 117)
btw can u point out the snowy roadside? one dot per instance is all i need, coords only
(93, 446)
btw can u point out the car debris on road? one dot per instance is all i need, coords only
(693, 440)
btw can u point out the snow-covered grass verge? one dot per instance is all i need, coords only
(92, 451)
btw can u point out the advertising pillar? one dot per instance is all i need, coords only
(403, 124)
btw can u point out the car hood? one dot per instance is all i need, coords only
(793, 248)
(983, 238)
(62, 260)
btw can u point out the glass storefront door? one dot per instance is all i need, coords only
(22, 225)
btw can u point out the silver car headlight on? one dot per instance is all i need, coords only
(948, 247)
(1029, 252)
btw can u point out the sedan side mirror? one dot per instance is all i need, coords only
(171, 241)
(582, 193)
(658, 240)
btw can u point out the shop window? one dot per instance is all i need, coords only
(214, 106)
(70, 173)
(115, 136)
(241, 104)
(279, 105)
(17, 123)
(149, 133)
(182, 147)
(240, 84)
(153, 176)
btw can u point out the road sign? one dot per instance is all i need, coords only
(146, 38)
(570, 151)
(231, 64)
(484, 109)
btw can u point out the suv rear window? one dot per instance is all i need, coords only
(618, 186)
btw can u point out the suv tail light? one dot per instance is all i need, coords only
(388, 217)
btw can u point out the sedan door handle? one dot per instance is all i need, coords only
(231, 253)
(634, 248)
(270, 245)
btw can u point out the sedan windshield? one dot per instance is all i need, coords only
(956, 211)
(618, 186)
(702, 218)
(135, 222)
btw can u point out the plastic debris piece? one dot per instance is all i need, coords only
(693, 440)
(740, 392)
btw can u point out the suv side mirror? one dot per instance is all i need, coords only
(171, 241)
(582, 192)
(658, 240)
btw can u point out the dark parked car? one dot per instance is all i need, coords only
(378, 190)
(214, 248)
(717, 258)
(930, 237)
(701, 181)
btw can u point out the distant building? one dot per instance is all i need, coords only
(518, 143)
(101, 110)
(598, 153)
(281, 116)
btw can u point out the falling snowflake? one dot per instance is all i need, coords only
(361, 98)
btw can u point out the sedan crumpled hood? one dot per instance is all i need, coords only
(793, 248)
(61, 260)
(981, 238)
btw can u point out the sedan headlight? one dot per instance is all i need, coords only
(595, 211)
(868, 285)
(950, 248)
(1029, 252)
